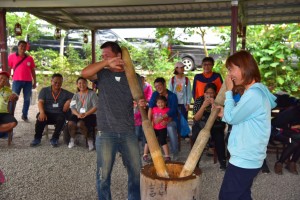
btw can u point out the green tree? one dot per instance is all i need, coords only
(202, 31)
(29, 23)
(276, 50)
(277, 56)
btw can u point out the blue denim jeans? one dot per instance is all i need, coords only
(237, 183)
(139, 132)
(27, 87)
(172, 133)
(107, 145)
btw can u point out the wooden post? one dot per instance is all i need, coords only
(244, 31)
(3, 41)
(138, 94)
(203, 137)
(93, 46)
(234, 23)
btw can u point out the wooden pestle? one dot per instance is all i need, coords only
(137, 93)
(203, 136)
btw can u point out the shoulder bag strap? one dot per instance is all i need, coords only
(17, 65)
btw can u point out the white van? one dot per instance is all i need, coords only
(136, 37)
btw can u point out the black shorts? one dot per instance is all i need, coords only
(6, 118)
(90, 120)
(161, 135)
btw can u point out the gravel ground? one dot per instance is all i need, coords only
(46, 173)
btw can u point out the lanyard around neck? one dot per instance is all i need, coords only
(55, 97)
(82, 98)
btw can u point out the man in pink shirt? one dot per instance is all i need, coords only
(24, 72)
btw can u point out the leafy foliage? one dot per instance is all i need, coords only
(274, 47)
(276, 51)
(29, 25)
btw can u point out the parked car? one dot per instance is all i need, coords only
(49, 42)
(191, 54)
(128, 36)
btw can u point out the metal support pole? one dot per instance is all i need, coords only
(244, 37)
(234, 23)
(3, 41)
(93, 46)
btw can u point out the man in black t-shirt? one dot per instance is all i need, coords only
(115, 122)
(54, 103)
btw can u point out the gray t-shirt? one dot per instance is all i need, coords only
(89, 100)
(52, 106)
(115, 103)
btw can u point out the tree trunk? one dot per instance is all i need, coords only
(138, 94)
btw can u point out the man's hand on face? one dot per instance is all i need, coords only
(116, 63)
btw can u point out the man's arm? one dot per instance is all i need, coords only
(90, 71)
(42, 116)
(33, 77)
(66, 105)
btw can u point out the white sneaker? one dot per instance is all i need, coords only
(72, 143)
(91, 145)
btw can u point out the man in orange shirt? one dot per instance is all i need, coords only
(208, 76)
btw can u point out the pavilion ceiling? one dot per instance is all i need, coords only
(93, 15)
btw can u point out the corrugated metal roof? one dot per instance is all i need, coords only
(94, 15)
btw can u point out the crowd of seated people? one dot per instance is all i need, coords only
(61, 108)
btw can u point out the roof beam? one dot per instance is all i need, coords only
(54, 22)
(182, 19)
(78, 3)
(76, 20)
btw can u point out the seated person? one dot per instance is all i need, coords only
(201, 111)
(53, 105)
(83, 107)
(286, 128)
(161, 90)
(7, 121)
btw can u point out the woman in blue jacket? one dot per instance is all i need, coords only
(251, 126)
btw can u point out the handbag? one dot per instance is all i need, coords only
(184, 126)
